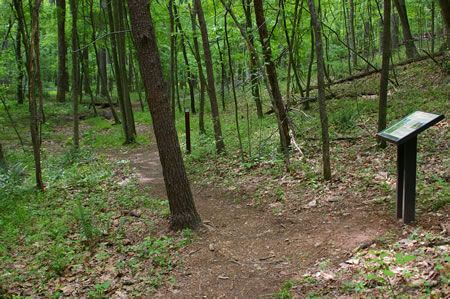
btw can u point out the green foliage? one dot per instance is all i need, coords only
(285, 292)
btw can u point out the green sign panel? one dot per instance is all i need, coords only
(410, 126)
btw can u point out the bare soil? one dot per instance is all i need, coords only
(248, 252)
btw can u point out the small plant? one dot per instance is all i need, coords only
(88, 227)
(285, 292)
(100, 290)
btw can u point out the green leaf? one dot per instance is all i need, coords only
(389, 273)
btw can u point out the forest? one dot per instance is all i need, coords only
(222, 148)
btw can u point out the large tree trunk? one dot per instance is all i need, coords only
(411, 50)
(61, 80)
(220, 145)
(272, 74)
(102, 70)
(182, 208)
(321, 84)
(445, 11)
(382, 108)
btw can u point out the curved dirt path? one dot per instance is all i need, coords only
(248, 252)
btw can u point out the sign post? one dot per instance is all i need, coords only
(404, 135)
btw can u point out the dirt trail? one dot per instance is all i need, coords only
(247, 252)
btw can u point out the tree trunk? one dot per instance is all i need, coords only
(394, 31)
(34, 119)
(2, 158)
(118, 52)
(220, 145)
(190, 79)
(321, 84)
(253, 66)
(201, 122)
(102, 66)
(75, 75)
(352, 34)
(19, 62)
(272, 74)
(173, 37)
(445, 11)
(61, 80)
(382, 108)
(182, 208)
(230, 65)
(411, 50)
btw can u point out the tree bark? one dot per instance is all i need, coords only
(2, 158)
(382, 107)
(75, 75)
(445, 11)
(101, 65)
(230, 65)
(272, 72)
(19, 62)
(190, 80)
(253, 65)
(182, 208)
(326, 166)
(201, 122)
(34, 121)
(220, 145)
(61, 80)
(118, 54)
(173, 37)
(411, 50)
(352, 34)
(394, 31)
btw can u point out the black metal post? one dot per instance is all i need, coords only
(188, 130)
(409, 180)
(406, 180)
(400, 177)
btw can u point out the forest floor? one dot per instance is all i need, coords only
(100, 229)
(246, 251)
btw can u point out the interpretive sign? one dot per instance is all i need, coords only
(410, 126)
(404, 135)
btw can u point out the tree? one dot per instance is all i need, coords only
(62, 79)
(115, 16)
(34, 118)
(272, 74)
(411, 50)
(201, 122)
(326, 166)
(75, 74)
(182, 208)
(252, 62)
(190, 79)
(445, 11)
(382, 108)
(220, 145)
(19, 63)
